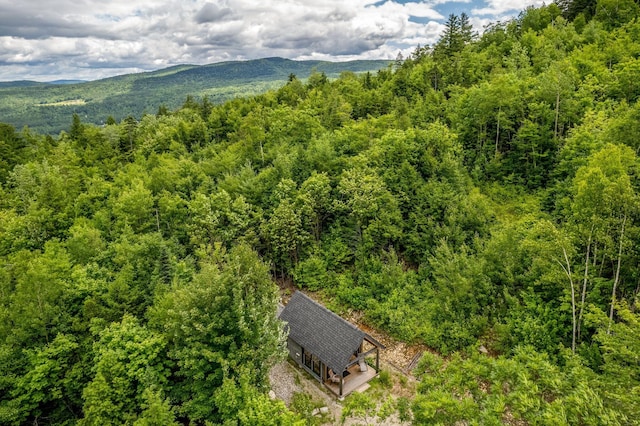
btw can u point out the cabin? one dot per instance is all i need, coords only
(334, 351)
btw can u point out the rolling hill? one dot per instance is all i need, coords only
(47, 107)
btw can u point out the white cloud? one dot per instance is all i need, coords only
(499, 7)
(92, 39)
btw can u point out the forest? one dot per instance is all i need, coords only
(482, 192)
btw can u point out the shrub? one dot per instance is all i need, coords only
(311, 273)
(385, 379)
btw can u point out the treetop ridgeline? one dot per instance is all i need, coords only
(483, 191)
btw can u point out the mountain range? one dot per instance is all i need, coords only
(48, 107)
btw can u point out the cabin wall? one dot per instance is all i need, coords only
(316, 368)
(295, 351)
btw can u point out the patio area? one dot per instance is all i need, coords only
(353, 381)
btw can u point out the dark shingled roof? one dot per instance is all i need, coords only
(321, 332)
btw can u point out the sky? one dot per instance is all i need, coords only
(47, 40)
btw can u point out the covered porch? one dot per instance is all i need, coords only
(358, 371)
(353, 380)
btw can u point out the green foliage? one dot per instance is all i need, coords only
(385, 378)
(130, 375)
(156, 411)
(49, 385)
(11, 145)
(37, 286)
(285, 235)
(527, 387)
(403, 406)
(213, 326)
(303, 405)
(619, 345)
(359, 405)
(311, 273)
(241, 404)
(613, 13)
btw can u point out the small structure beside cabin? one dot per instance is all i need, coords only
(331, 349)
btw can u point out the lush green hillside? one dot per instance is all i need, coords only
(484, 192)
(46, 108)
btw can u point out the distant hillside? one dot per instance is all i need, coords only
(67, 81)
(20, 83)
(47, 107)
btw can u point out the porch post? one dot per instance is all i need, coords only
(341, 381)
(377, 359)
